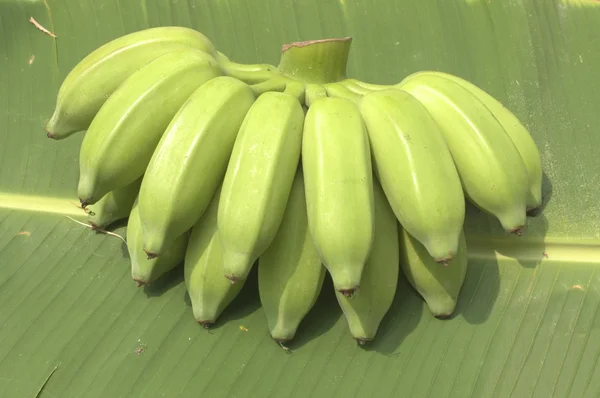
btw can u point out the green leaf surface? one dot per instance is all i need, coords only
(73, 324)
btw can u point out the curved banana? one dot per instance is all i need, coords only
(338, 180)
(515, 130)
(491, 168)
(258, 180)
(354, 86)
(100, 73)
(143, 270)
(415, 169)
(290, 273)
(368, 87)
(365, 311)
(438, 285)
(122, 137)
(248, 73)
(338, 90)
(190, 160)
(115, 205)
(313, 93)
(210, 293)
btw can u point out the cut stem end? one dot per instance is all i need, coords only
(316, 61)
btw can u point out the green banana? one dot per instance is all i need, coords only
(122, 137)
(341, 91)
(290, 273)
(365, 311)
(438, 285)
(100, 73)
(354, 86)
(338, 180)
(143, 270)
(491, 168)
(115, 205)
(313, 93)
(192, 158)
(210, 293)
(515, 130)
(248, 73)
(415, 169)
(258, 180)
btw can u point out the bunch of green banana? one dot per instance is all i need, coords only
(220, 166)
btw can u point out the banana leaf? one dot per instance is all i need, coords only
(73, 324)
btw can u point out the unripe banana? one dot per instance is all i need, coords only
(515, 130)
(115, 205)
(340, 90)
(123, 135)
(290, 273)
(415, 169)
(438, 285)
(210, 293)
(98, 75)
(143, 270)
(258, 180)
(354, 86)
(491, 168)
(338, 180)
(190, 160)
(365, 311)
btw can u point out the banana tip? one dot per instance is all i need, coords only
(139, 282)
(348, 293)
(94, 226)
(84, 203)
(443, 317)
(283, 344)
(361, 341)
(50, 135)
(444, 260)
(150, 255)
(206, 324)
(517, 231)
